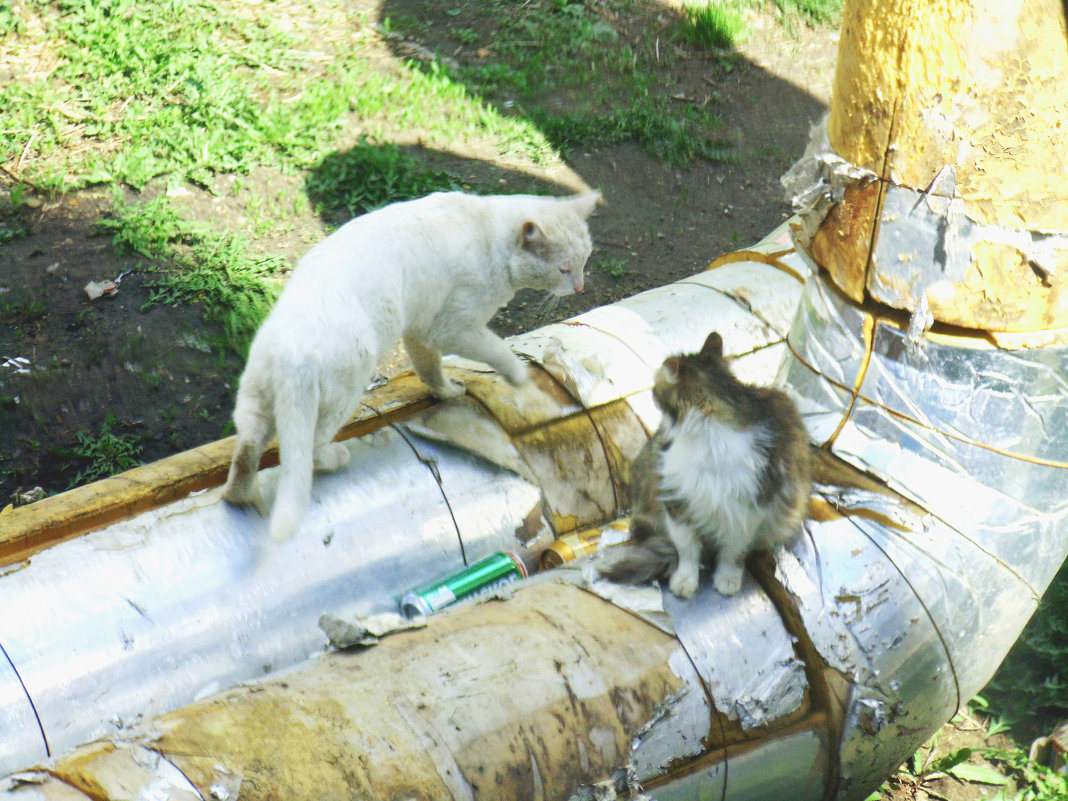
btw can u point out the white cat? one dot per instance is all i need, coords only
(432, 271)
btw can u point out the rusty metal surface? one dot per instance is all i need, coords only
(981, 276)
(922, 85)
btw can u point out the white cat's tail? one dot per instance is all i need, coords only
(296, 409)
(651, 556)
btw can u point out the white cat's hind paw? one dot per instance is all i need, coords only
(727, 580)
(683, 583)
(332, 457)
(450, 389)
(245, 497)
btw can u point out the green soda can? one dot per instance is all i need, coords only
(484, 576)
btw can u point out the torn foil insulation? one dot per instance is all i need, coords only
(917, 611)
(818, 180)
(742, 651)
(152, 612)
(679, 728)
(791, 767)
(928, 249)
(191, 598)
(893, 606)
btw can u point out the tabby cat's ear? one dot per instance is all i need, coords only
(670, 370)
(585, 203)
(713, 347)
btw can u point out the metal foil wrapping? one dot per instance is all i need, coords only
(146, 615)
(174, 604)
(742, 652)
(970, 434)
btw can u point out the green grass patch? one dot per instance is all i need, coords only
(191, 90)
(714, 24)
(816, 13)
(369, 176)
(566, 68)
(1032, 683)
(103, 454)
(615, 267)
(671, 137)
(196, 264)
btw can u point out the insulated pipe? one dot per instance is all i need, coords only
(170, 604)
(841, 654)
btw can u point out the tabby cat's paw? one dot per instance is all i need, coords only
(683, 584)
(727, 580)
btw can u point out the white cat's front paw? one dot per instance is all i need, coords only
(727, 579)
(450, 388)
(683, 583)
(516, 373)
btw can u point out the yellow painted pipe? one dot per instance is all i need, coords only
(963, 106)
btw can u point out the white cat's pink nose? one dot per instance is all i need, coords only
(578, 284)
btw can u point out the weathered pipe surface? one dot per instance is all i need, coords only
(950, 117)
(170, 600)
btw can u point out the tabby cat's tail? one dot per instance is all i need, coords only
(651, 556)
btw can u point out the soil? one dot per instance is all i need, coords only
(148, 375)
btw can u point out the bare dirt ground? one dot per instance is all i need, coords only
(148, 377)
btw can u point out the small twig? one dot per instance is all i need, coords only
(14, 176)
(25, 150)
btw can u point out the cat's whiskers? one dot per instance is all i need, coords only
(547, 306)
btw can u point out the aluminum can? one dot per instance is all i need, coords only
(484, 576)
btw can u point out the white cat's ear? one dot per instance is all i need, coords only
(585, 203)
(532, 234)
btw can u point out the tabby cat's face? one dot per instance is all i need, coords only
(701, 381)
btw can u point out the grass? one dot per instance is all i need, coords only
(1032, 683)
(992, 766)
(142, 91)
(714, 24)
(370, 176)
(561, 65)
(815, 13)
(195, 264)
(615, 267)
(104, 453)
